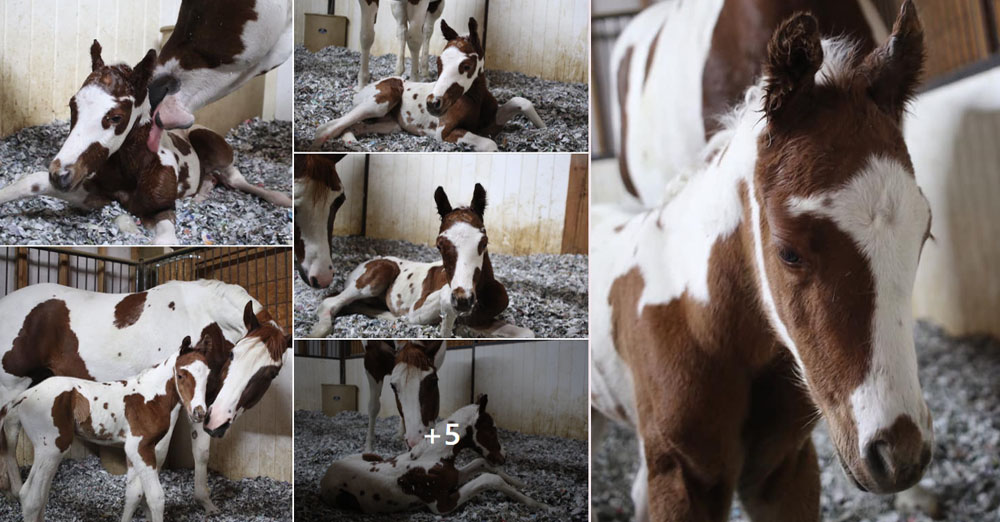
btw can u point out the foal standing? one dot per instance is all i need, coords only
(138, 413)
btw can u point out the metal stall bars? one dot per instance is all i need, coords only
(97, 272)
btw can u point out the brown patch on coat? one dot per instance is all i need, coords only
(435, 280)
(389, 91)
(212, 150)
(380, 357)
(437, 485)
(63, 418)
(150, 420)
(378, 272)
(129, 309)
(487, 437)
(182, 146)
(171, 305)
(257, 386)
(623, 72)
(208, 34)
(46, 345)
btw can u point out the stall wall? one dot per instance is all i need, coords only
(533, 387)
(526, 196)
(45, 56)
(952, 133)
(351, 170)
(310, 374)
(545, 39)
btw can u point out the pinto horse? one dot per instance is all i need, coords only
(426, 475)
(138, 414)
(415, 21)
(412, 368)
(457, 108)
(215, 48)
(460, 287)
(318, 196)
(791, 260)
(724, 45)
(105, 158)
(52, 330)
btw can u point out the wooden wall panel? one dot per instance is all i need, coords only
(351, 170)
(310, 374)
(548, 39)
(526, 195)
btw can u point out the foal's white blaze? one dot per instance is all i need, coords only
(451, 60)
(199, 371)
(465, 239)
(92, 104)
(249, 356)
(883, 211)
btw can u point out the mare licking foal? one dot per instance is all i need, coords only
(105, 157)
(318, 196)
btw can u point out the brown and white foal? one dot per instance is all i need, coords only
(318, 196)
(105, 157)
(460, 287)
(457, 108)
(137, 413)
(411, 367)
(415, 21)
(774, 285)
(426, 476)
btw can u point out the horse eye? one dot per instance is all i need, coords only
(116, 119)
(231, 355)
(790, 257)
(393, 386)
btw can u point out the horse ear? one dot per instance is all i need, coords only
(144, 70)
(96, 62)
(249, 318)
(186, 345)
(436, 351)
(474, 35)
(444, 206)
(446, 30)
(893, 69)
(481, 401)
(794, 54)
(479, 200)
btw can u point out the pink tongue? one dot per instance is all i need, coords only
(153, 142)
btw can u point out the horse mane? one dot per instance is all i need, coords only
(412, 356)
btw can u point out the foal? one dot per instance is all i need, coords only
(138, 413)
(459, 287)
(773, 286)
(412, 370)
(105, 157)
(319, 194)
(426, 476)
(457, 108)
(415, 25)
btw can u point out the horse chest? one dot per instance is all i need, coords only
(413, 115)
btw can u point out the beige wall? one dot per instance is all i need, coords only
(526, 196)
(547, 39)
(534, 387)
(351, 170)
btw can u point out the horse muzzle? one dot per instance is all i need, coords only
(893, 459)
(217, 433)
(62, 178)
(463, 304)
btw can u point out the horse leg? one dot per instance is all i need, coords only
(368, 14)
(399, 13)
(640, 488)
(232, 178)
(150, 482)
(371, 104)
(414, 38)
(425, 48)
(383, 125)
(487, 482)
(37, 184)
(200, 444)
(133, 493)
(11, 472)
(477, 142)
(790, 492)
(480, 464)
(500, 328)
(515, 106)
(35, 493)
(331, 306)
(374, 405)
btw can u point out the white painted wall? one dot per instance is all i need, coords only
(526, 196)
(533, 387)
(546, 39)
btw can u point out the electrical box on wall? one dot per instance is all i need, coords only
(338, 398)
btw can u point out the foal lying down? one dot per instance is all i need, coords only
(457, 108)
(426, 475)
(138, 413)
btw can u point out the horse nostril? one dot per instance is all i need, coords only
(878, 456)
(313, 282)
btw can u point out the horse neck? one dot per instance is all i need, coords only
(132, 158)
(486, 273)
(718, 200)
(154, 379)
